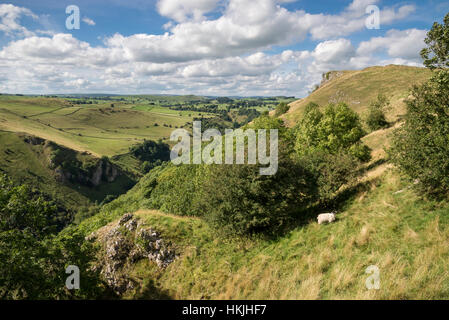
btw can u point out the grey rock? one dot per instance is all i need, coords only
(128, 243)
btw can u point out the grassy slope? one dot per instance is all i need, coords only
(359, 88)
(385, 225)
(26, 163)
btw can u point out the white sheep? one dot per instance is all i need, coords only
(326, 217)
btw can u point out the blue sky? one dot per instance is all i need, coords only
(210, 47)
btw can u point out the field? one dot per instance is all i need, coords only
(103, 127)
(98, 128)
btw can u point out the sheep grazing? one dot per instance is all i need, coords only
(326, 217)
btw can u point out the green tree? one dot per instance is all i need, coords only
(376, 113)
(281, 109)
(420, 148)
(33, 257)
(337, 129)
(436, 55)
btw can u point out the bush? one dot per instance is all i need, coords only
(174, 189)
(336, 130)
(330, 172)
(237, 200)
(151, 153)
(375, 119)
(281, 109)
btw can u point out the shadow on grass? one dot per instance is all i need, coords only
(151, 292)
(340, 203)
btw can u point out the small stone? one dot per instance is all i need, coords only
(125, 218)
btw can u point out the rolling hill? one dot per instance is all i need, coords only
(359, 88)
(96, 128)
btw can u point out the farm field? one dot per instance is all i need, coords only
(101, 127)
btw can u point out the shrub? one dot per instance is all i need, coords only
(330, 173)
(375, 119)
(173, 190)
(281, 109)
(237, 200)
(151, 153)
(336, 130)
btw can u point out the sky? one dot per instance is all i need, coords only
(204, 47)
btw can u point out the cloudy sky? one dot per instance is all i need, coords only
(207, 47)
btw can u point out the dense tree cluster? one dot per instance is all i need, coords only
(151, 153)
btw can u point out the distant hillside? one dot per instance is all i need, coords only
(75, 179)
(359, 88)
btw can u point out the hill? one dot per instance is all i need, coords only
(359, 88)
(384, 224)
(74, 179)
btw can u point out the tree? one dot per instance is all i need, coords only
(33, 256)
(281, 109)
(436, 55)
(420, 148)
(337, 129)
(376, 113)
(329, 146)
(151, 151)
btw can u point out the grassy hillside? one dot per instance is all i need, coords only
(359, 88)
(383, 224)
(30, 163)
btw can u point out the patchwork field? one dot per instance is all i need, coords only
(98, 128)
